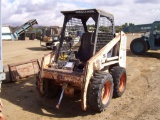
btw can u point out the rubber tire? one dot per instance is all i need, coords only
(119, 84)
(142, 42)
(95, 91)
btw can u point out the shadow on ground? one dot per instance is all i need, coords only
(25, 95)
(149, 54)
(38, 49)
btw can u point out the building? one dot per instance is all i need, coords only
(6, 33)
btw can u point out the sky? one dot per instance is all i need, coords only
(48, 12)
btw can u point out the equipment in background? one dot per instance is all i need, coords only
(148, 41)
(50, 37)
(19, 33)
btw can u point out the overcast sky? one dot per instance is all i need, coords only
(47, 12)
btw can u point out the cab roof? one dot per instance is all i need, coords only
(88, 11)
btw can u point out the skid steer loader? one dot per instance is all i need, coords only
(94, 67)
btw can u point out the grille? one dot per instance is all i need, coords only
(74, 28)
(105, 34)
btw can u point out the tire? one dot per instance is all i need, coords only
(100, 91)
(138, 46)
(119, 80)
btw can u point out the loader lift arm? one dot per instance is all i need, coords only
(96, 62)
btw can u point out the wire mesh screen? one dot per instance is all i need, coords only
(74, 28)
(105, 34)
(105, 25)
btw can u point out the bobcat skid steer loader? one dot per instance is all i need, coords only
(94, 67)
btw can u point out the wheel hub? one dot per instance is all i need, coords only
(122, 83)
(106, 92)
(138, 46)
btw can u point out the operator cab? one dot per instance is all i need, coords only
(84, 33)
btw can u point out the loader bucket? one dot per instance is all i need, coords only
(22, 70)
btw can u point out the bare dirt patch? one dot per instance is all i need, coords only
(139, 102)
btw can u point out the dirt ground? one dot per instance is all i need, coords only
(141, 100)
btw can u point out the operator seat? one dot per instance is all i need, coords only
(85, 51)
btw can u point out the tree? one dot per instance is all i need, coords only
(125, 25)
(118, 29)
(131, 24)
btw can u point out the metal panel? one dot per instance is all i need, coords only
(1, 65)
(6, 37)
(62, 76)
(138, 28)
(6, 29)
(6, 33)
(22, 70)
